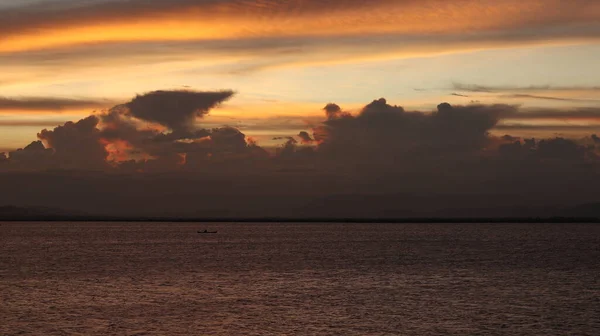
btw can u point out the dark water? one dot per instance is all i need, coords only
(299, 279)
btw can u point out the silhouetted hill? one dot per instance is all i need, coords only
(584, 210)
(8, 213)
(580, 213)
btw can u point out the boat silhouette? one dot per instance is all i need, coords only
(206, 231)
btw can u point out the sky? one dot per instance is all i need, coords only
(95, 84)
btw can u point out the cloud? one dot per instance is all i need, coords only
(77, 145)
(33, 157)
(561, 149)
(596, 138)
(529, 96)
(182, 144)
(543, 92)
(161, 127)
(118, 127)
(305, 138)
(382, 159)
(507, 127)
(589, 113)
(259, 35)
(176, 110)
(384, 131)
(31, 123)
(228, 140)
(535, 88)
(334, 111)
(288, 139)
(244, 54)
(50, 104)
(301, 17)
(509, 138)
(555, 151)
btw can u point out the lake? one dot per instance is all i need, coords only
(299, 279)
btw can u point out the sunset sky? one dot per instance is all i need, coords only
(260, 107)
(62, 59)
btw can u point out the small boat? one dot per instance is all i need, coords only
(206, 231)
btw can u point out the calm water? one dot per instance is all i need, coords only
(299, 279)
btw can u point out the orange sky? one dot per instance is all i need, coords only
(269, 19)
(287, 59)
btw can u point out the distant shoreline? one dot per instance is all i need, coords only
(415, 220)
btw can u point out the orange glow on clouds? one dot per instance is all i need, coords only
(117, 150)
(214, 22)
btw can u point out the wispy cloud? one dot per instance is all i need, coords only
(530, 96)
(568, 94)
(31, 123)
(50, 104)
(531, 88)
(547, 128)
(316, 31)
(556, 113)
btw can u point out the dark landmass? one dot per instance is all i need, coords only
(580, 214)
(278, 197)
(30, 213)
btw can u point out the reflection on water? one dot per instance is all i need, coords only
(299, 279)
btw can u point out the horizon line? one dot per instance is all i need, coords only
(340, 220)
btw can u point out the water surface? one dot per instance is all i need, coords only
(299, 279)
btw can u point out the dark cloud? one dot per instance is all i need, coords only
(228, 140)
(296, 158)
(560, 149)
(595, 138)
(386, 131)
(548, 159)
(382, 158)
(176, 110)
(305, 138)
(556, 149)
(33, 157)
(77, 145)
(553, 113)
(50, 104)
(557, 128)
(183, 145)
(35, 146)
(379, 131)
(119, 126)
(334, 111)
(509, 138)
